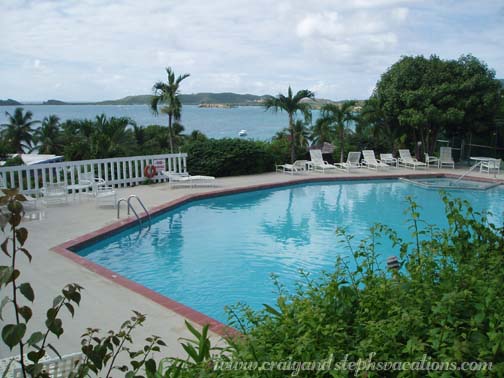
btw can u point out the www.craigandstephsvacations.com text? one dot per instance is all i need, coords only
(355, 366)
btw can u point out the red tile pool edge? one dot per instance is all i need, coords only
(179, 308)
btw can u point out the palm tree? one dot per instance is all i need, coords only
(167, 94)
(48, 136)
(338, 116)
(322, 132)
(291, 105)
(18, 132)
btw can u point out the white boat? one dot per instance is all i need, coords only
(242, 133)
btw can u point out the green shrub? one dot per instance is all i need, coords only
(228, 157)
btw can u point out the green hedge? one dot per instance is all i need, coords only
(228, 157)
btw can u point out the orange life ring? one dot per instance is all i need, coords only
(149, 171)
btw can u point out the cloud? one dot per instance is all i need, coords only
(101, 49)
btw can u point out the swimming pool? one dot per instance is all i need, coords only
(217, 251)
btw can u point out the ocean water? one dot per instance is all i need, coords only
(220, 251)
(213, 122)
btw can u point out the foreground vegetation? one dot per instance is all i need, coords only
(444, 304)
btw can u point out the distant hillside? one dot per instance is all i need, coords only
(502, 82)
(192, 99)
(128, 100)
(9, 102)
(221, 98)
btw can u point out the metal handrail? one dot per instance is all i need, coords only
(469, 171)
(130, 207)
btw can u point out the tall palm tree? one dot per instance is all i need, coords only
(338, 117)
(18, 132)
(291, 105)
(166, 94)
(48, 136)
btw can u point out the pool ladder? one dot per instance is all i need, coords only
(131, 208)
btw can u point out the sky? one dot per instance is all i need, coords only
(85, 50)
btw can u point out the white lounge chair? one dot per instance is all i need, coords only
(56, 367)
(55, 193)
(406, 160)
(369, 160)
(353, 161)
(388, 159)
(445, 157)
(186, 179)
(318, 163)
(429, 160)
(297, 166)
(491, 165)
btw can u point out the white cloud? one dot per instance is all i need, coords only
(97, 49)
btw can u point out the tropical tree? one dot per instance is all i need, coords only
(428, 97)
(48, 136)
(166, 100)
(291, 105)
(19, 132)
(337, 117)
(322, 132)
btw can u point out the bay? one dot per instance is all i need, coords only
(213, 122)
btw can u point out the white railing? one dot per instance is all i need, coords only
(117, 172)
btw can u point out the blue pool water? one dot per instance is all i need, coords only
(219, 251)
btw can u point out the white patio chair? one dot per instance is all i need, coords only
(30, 204)
(105, 196)
(491, 166)
(318, 163)
(445, 157)
(87, 180)
(407, 161)
(56, 367)
(388, 159)
(353, 161)
(369, 160)
(429, 159)
(296, 167)
(55, 193)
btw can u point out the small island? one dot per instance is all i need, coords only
(220, 106)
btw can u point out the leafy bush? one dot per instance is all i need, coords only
(228, 157)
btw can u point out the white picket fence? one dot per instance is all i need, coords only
(118, 172)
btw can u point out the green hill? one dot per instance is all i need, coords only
(192, 99)
(128, 100)
(9, 102)
(502, 82)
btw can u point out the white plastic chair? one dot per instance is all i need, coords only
(353, 161)
(445, 157)
(56, 367)
(407, 161)
(105, 196)
(388, 159)
(318, 163)
(297, 166)
(429, 159)
(369, 160)
(490, 166)
(55, 193)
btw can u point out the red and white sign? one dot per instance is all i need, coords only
(160, 165)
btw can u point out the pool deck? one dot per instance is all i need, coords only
(107, 301)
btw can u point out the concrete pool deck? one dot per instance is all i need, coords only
(105, 303)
